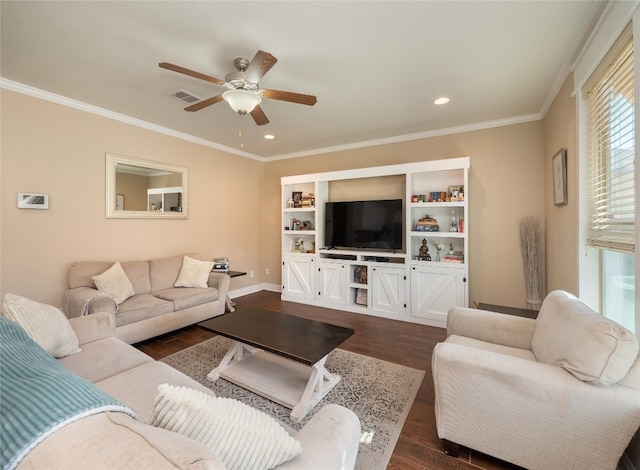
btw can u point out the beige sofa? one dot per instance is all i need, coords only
(561, 391)
(157, 306)
(115, 440)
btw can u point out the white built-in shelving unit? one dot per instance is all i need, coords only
(399, 284)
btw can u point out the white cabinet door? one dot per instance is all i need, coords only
(434, 290)
(333, 279)
(298, 277)
(388, 289)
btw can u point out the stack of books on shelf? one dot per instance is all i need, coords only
(453, 259)
(220, 265)
(308, 200)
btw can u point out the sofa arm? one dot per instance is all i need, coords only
(492, 327)
(329, 440)
(532, 414)
(90, 328)
(84, 300)
(220, 281)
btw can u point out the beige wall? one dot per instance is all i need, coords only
(506, 184)
(234, 201)
(60, 151)
(561, 222)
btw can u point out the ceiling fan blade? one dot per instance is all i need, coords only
(299, 98)
(258, 116)
(259, 66)
(204, 103)
(191, 73)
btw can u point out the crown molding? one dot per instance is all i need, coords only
(64, 101)
(79, 105)
(417, 136)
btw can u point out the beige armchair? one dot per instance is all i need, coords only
(558, 392)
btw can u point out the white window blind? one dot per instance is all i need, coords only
(611, 127)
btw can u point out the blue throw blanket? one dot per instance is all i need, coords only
(38, 395)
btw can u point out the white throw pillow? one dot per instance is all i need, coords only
(114, 281)
(593, 348)
(194, 273)
(46, 324)
(243, 437)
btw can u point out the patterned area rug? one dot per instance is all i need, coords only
(380, 393)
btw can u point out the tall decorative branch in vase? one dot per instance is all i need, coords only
(532, 260)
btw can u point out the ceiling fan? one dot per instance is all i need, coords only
(243, 93)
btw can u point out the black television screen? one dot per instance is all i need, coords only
(364, 224)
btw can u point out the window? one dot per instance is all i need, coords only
(611, 185)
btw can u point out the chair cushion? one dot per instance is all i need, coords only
(492, 347)
(591, 347)
(243, 437)
(45, 324)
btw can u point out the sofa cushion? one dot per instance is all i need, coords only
(138, 274)
(45, 324)
(114, 281)
(194, 273)
(163, 272)
(185, 297)
(81, 273)
(104, 358)
(242, 437)
(140, 307)
(591, 347)
(136, 387)
(117, 441)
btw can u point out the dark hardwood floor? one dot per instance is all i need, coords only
(404, 343)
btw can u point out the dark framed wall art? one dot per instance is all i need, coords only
(559, 166)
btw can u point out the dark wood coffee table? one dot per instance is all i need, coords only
(280, 357)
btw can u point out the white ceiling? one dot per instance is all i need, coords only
(375, 66)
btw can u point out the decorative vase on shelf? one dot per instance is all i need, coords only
(437, 255)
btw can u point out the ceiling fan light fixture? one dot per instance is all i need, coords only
(242, 101)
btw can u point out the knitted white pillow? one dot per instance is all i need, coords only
(241, 436)
(46, 324)
(194, 273)
(114, 281)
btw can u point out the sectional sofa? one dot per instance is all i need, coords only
(114, 391)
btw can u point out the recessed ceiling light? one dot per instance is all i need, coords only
(443, 100)
(269, 137)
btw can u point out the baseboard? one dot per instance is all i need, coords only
(253, 289)
(626, 463)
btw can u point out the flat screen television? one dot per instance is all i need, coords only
(364, 224)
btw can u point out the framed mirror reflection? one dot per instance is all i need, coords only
(145, 189)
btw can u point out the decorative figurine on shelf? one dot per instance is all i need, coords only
(427, 224)
(439, 246)
(290, 203)
(451, 248)
(454, 224)
(423, 252)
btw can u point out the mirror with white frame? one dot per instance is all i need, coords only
(144, 189)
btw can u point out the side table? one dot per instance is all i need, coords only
(230, 303)
(519, 312)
